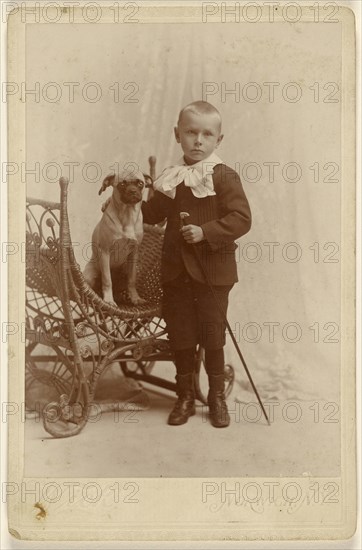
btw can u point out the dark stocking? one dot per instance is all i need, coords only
(214, 361)
(185, 360)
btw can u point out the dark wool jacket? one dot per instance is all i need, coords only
(223, 217)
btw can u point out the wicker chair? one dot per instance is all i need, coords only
(72, 335)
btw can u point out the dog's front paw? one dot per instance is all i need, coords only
(111, 302)
(109, 299)
(136, 298)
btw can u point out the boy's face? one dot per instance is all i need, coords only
(199, 135)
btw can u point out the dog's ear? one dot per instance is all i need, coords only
(148, 180)
(109, 180)
(105, 204)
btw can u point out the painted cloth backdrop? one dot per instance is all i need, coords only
(285, 308)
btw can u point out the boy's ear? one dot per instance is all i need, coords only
(177, 135)
(148, 180)
(219, 140)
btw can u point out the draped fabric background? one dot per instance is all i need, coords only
(167, 66)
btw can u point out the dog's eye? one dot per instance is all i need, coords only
(140, 184)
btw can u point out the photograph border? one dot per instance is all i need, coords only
(108, 520)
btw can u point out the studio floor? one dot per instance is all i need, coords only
(298, 442)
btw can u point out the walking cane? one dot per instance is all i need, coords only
(183, 217)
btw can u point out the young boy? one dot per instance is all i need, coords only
(212, 194)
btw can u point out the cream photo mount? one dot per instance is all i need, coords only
(178, 508)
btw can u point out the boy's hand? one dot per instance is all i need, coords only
(192, 233)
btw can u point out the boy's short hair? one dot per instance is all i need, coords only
(199, 108)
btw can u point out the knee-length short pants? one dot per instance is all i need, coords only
(191, 314)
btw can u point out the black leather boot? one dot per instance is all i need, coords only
(185, 404)
(218, 410)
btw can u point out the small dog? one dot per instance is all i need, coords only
(117, 236)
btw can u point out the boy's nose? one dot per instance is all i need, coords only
(198, 139)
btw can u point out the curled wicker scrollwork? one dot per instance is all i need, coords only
(63, 419)
(85, 351)
(107, 346)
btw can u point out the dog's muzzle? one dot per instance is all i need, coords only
(130, 192)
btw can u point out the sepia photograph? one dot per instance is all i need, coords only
(182, 255)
